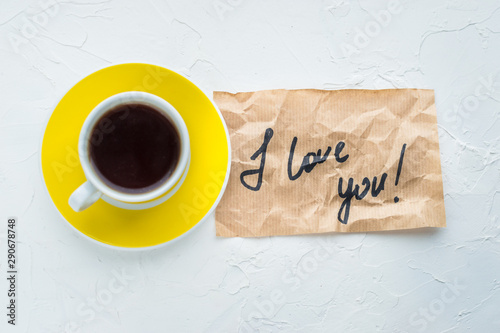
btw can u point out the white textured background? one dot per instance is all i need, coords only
(409, 281)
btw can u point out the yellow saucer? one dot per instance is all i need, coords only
(196, 198)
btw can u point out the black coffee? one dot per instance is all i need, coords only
(134, 148)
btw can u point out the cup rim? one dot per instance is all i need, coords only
(158, 104)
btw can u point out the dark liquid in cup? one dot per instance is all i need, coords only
(134, 148)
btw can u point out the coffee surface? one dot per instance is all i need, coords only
(134, 148)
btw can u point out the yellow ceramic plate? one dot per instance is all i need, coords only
(197, 197)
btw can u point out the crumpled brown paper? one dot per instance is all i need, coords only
(381, 131)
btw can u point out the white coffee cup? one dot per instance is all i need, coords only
(95, 188)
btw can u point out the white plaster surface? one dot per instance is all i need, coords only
(445, 280)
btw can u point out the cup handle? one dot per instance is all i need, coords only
(83, 197)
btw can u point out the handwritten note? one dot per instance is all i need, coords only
(311, 161)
